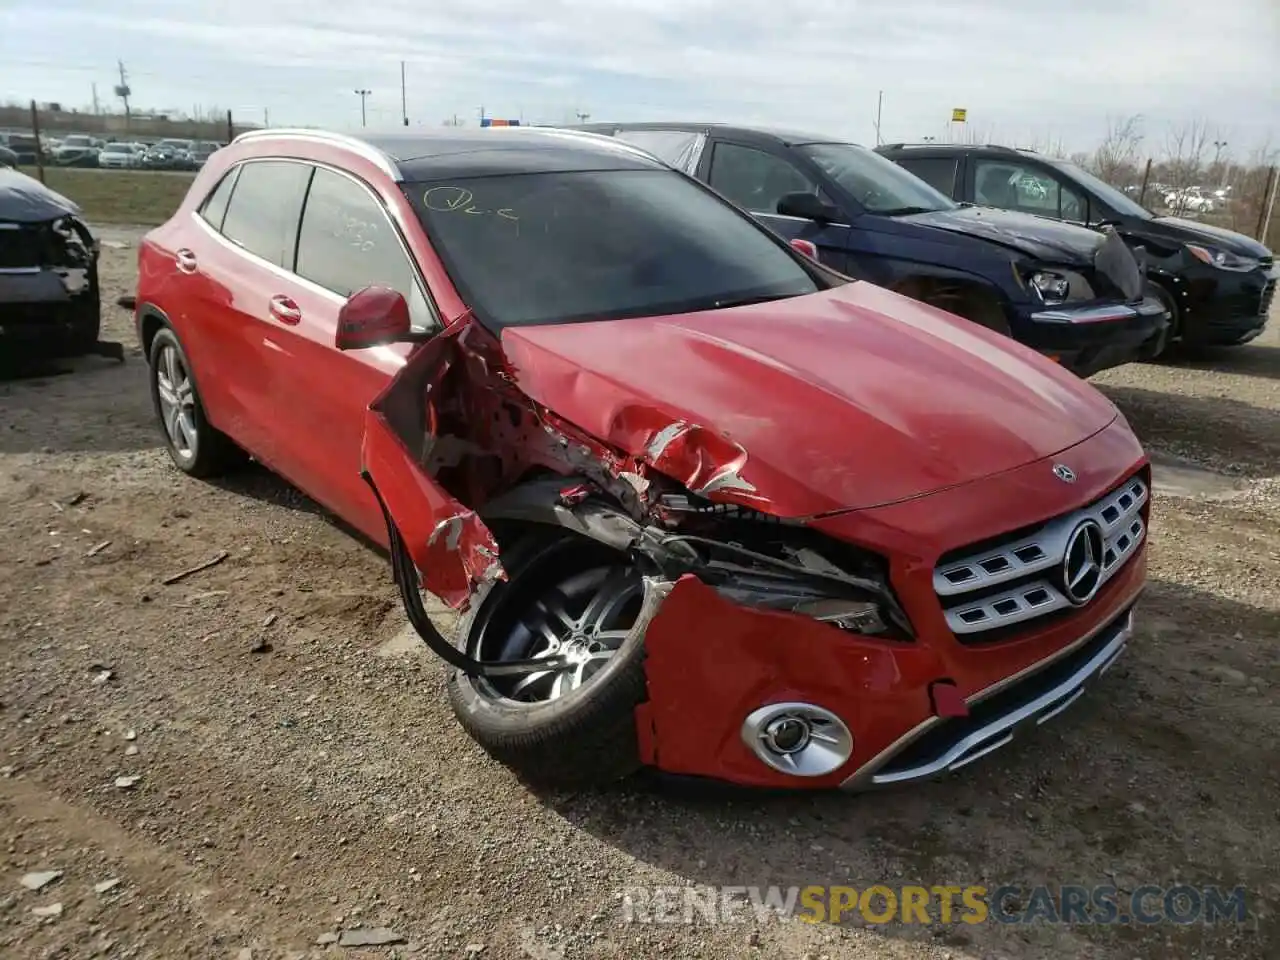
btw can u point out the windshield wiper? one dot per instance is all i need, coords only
(902, 211)
(748, 301)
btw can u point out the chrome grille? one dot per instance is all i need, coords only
(1022, 579)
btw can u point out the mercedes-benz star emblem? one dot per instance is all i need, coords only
(1082, 565)
(1064, 473)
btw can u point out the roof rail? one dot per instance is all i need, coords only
(354, 144)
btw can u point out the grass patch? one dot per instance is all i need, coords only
(146, 197)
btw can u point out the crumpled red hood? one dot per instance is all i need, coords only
(849, 398)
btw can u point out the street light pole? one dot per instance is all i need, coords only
(362, 94)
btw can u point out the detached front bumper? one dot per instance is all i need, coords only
(1087, 340)
(1224, 309)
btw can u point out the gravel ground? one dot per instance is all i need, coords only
(298, 772)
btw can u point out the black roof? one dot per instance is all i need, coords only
(790, 138)
(451, 151)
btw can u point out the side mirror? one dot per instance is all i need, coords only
(371, 317)
(807, 206)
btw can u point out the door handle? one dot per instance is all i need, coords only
(186, 260)
(285, 310)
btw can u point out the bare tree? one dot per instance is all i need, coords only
(1116, 160)
(1184, 148)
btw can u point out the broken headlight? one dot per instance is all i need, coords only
(760, 561)
(1056, 287)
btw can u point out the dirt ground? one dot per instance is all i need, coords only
(299, 772)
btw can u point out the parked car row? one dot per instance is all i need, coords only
(79, 150)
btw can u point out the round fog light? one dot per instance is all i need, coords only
(801, 739)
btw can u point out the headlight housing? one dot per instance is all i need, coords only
(1222, 259)
(1055, 287)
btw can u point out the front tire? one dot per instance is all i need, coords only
(195, 446)
(574, 727)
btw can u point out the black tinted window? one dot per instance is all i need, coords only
(547, 248)
(755, 180)
(937, 172)
(263, 213)
(346, 241)
(1025, 187)
(215, 205)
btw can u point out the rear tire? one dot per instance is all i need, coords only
(582, 737)
(196, 447)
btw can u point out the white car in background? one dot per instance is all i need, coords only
(119, 156)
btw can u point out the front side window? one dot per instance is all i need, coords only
(1121, 203)
(542, 248)
(347, 242)
(755, 179)
(1026, 188)
(262, 216)
(877, 184)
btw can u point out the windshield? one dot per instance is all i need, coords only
(879, 184)
(78, 142)
(1117, 200)
(539, 248)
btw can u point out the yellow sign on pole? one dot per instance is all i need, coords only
(958, 114)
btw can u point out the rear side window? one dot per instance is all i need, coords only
(676, 147)
(215, 205)
(263, 213)
(937, 172)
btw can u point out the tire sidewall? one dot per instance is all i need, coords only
(164, 338)
(505, 717)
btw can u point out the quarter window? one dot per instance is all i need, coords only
(215, 206)
(937, 172)
(753, 179)
(347, 242)
(263, 213)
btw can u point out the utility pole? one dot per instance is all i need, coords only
(266, 117)
(362, 94)
(96, 111)
(879, 106)
(123, 91)
(482, 115)
(404, 110)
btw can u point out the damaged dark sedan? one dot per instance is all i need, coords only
(49, 299)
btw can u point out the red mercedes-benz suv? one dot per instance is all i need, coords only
(707, 506)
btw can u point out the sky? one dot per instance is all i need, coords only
(1027, 72)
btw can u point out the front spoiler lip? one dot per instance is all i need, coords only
(1000, 731)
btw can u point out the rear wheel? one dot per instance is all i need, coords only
(574, 726)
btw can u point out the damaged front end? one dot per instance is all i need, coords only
(464, 463)
(49, 298)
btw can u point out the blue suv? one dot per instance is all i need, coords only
(1075, 295)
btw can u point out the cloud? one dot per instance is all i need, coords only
(1017, 67)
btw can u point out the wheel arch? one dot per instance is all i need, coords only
(150, 321)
